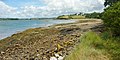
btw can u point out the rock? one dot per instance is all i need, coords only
(37, 50)
(36, 59)
(38, 54)
(2, 52)
(17, 45)
(59, 47)
(56, 55)
(60, 53)
(32, 59)
(60, 58)
(53, 58)
(47, 51)
(44, 58)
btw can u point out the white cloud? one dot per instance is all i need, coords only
(6, 10)
(54, 8)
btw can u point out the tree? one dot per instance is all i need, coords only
(93, 15)
(110, 2)
(111, 18)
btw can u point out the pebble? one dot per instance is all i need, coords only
(60, 58)
(2, 52)
(56, 55)
(38, 54)
(44, 58)
(53, 58)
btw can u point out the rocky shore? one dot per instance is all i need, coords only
(49, 43)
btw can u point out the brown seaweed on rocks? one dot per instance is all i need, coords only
(44, 43)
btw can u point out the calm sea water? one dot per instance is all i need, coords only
(9, 27)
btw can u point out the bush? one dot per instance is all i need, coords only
(111, 18)
(93, 15)
(88, 49)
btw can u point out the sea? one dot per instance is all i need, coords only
(10, 27)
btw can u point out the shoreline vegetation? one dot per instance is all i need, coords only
(95, 46)
(71, 17)
(81, 16)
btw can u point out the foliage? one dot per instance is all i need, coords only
(71, 17)
(64, 17)
(86, 50)
(81, 16)
(111, 45)
(111, 18)
(9, 19)
(96, 47)
(93, 15)
(110, 2)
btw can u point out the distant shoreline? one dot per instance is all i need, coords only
(46, 25)
(24, 18)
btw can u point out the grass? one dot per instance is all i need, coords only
(77, 17)
(96, 47)
(71, 17)
(112, 46)
(64, 17)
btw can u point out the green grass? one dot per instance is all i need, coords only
(77, 17)
(96, 47)
(64, 17)
(71, 17)
(112, 46)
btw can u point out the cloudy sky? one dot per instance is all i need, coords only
(47, 8)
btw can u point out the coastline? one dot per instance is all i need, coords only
(10, 27)
(43, 43)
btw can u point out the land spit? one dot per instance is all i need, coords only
(46, 42)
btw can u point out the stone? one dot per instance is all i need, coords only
(60, 58)
(37, 50)
(44, 58)
(36, 59)
(56, 55)
(59, 47)
(2, 52)
(53, 58)
(32, 59)
(38, 54)
(17, 45)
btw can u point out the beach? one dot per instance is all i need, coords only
(44, 43)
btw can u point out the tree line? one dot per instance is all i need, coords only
(111, 16)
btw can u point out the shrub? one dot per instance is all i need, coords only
(88, 49)
(111, 18)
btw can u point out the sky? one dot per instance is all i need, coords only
(47, 8)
